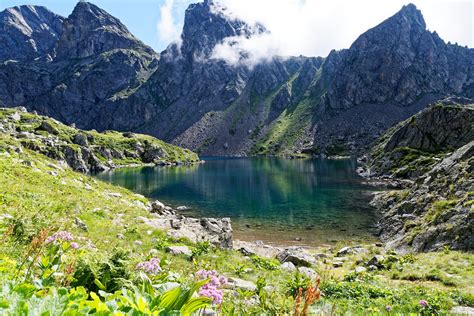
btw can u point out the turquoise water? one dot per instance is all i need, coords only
(279, 201)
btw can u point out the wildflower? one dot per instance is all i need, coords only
(151, 266)
(388, 308)
(423, 303)
(212, 289)
(60, 236)
(74, 245)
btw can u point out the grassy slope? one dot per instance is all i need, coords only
(38, 195)
(110, 139)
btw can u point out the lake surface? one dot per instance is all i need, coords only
(279, 201)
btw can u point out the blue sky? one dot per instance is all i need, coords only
(298, 27)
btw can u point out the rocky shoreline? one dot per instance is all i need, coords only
(428, 171)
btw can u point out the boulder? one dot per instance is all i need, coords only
(337, 264)
(377, 261)
(240, 284)
(80, 139)
(179, 250)
(288, 266)
(308, 272)
(157, 207)
(296, 255)
(360, 269)
(246, 251)
(79, 223)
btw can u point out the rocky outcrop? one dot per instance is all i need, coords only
(217, 231)
(415, 145)
(93, 72)
(88, 151)
(435, 150)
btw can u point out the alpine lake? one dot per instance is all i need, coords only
(283, 202)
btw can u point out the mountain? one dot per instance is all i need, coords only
(93, 58)
(99, 76)
(28, 32)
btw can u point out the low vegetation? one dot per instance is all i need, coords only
(73, 245)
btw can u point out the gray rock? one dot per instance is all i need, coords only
(297, 256)
(246, 251)
(81, 140)
(308, 272)
(288, 266)
(179, 250)
(360, 269)
(377, 261)
(462, 310)
(79, 223)
(157, 207)
(345, 251)
(240, 284)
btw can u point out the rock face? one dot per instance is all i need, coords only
(413, 146)
(435, 150)
(28, 32)
(90, 30)
(89, 70)
(398, 61)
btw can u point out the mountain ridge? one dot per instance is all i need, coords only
(283, 106)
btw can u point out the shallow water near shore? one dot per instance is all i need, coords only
(279, 201)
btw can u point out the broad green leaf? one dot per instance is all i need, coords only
(169, 298)
(195, 304)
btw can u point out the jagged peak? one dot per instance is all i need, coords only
(411, 14)
(90, 30)
(405, 26)
(87, 10)
(207, 24)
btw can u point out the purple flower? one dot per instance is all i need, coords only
(212, 289)
(151, 266)
(74, 245)
(60, 236)
(423, 303)
(388, 308)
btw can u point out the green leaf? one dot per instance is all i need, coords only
(4, 304)
(195, 304)
(169, 298)
(99, 285)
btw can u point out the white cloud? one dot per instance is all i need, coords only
(168, 29)
(314, 27)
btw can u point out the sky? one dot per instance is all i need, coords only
(298, 27)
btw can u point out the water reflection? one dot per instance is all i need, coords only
(320, 201)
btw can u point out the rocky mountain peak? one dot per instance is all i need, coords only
(90, 30)
(28, 32)
(409, 13)
(208, 23)
(403, 28)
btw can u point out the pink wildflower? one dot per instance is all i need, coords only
(60, 236)
(151, 266)
(212, 289)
